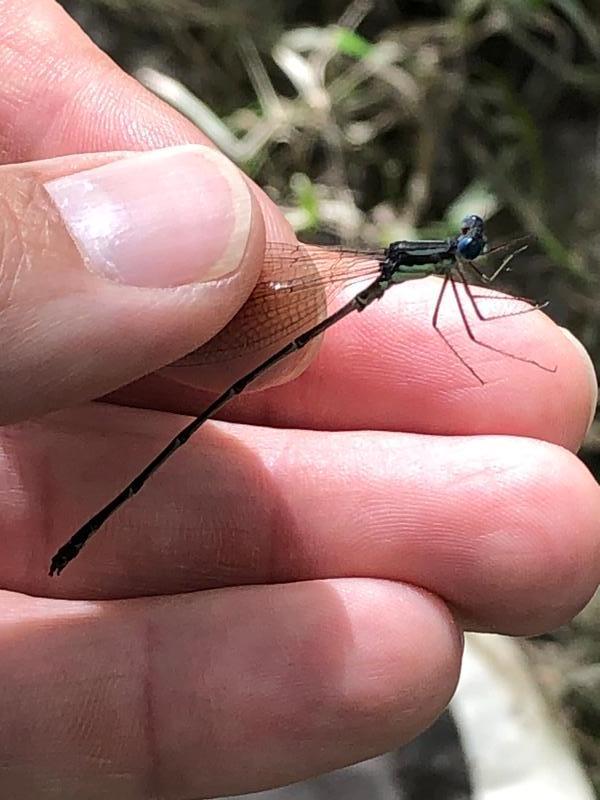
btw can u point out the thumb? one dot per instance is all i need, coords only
(113, 265)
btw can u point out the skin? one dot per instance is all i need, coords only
(290, 595)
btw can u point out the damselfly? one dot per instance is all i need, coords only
(300, 279)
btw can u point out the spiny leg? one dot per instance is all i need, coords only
(436, 314)
(476, 270)
(504, 265)
(531, 306)
(527, 239)
(473, 338)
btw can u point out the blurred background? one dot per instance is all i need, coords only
(376, 120)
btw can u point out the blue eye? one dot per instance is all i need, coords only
(472, 221)
(470, 247)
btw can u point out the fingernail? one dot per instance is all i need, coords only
(591, 372)
(159, 219)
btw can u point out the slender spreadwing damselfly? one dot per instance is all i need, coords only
(298, 283)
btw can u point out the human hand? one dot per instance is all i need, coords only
(280, 600)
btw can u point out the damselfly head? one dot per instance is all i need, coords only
(472, 239)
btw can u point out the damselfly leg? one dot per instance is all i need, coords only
(459, 270)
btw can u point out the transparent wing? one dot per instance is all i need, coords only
(297, 285)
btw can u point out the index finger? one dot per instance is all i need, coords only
(59, 98)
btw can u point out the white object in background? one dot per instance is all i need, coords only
(513, 741)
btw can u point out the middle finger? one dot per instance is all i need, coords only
(466, 518)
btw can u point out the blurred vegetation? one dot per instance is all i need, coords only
(374, 120)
